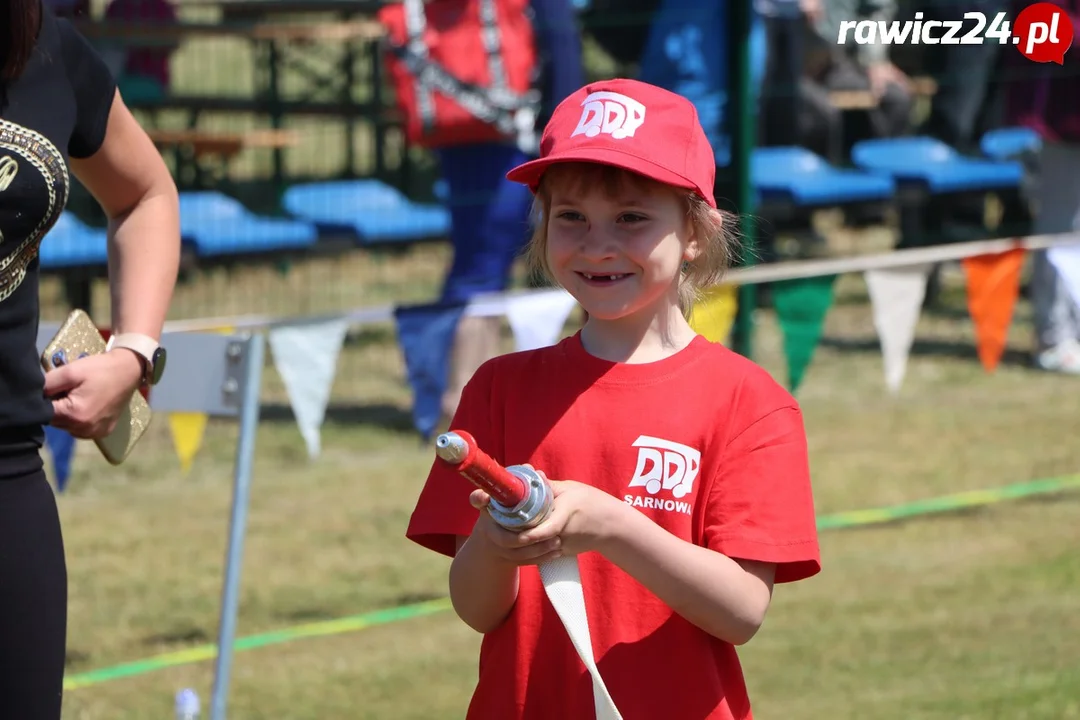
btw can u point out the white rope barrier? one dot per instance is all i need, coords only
(494, 305)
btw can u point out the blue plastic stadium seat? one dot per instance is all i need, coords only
(374, 211)
(71, 243)
(934, 166)
(216, 224)
(1010, 142)
(796, 175)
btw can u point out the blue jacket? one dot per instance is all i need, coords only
(686, 54)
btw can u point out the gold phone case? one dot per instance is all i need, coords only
(79, 337)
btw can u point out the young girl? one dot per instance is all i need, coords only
(679, 468)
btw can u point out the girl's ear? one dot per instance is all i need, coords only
(691, 248)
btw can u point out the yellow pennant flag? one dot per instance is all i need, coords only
(715, 313)
(187, 434)
(188, 428)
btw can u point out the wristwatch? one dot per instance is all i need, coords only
(148, 350)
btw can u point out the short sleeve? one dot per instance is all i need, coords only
(443, 512)
(94, 89)
(761, 504)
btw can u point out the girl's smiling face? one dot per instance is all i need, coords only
(618, 246)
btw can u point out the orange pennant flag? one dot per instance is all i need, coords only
(993, 284)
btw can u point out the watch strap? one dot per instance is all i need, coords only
(142, 345)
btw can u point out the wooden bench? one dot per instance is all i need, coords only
(850, 100)
(232, 10)
(305, 32)
(141, 33)
(225, 145)
(202, 154)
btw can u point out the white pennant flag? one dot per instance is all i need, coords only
(305, 356)
(896, 295)
(537, 319)
(1066, 260)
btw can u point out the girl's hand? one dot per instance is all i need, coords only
(89, 394)
(511, 547)
(583, 518)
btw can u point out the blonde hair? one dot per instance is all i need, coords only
(714, 229)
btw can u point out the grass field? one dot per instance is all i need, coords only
(969, 616)
(961, 616)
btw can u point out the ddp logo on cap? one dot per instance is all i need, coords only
(610, 113)
(631, 125)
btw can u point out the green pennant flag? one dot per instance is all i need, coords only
(801, 305)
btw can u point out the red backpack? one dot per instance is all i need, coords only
(463, 71)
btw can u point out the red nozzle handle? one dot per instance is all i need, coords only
(481, 469)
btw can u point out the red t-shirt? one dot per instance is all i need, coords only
(705, 443)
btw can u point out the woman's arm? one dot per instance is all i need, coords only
(131, 182)
(724, 597)
(127, 176)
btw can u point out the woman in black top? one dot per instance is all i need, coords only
(59, 109)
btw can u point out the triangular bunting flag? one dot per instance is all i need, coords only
(537, 319)
(801, 305)
(896, 296)
(61, 445)
(993, 284)
(187, 429)
(306, 356)
(1066, 260)
(714, 314)
(426, 334)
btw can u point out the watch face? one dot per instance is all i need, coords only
(158, 366)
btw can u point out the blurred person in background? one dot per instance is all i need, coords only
(59, 110)
(968, 97)
(143, 69)
(1046, 97)
(786, 23)
(490, 214)
(854, 67)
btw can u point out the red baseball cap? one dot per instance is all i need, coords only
(632, 125)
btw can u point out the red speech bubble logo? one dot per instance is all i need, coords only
(1043, 33)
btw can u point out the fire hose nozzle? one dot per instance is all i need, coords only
(451, 447)
(520, 497)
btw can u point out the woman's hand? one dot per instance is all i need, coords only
(89, 394)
